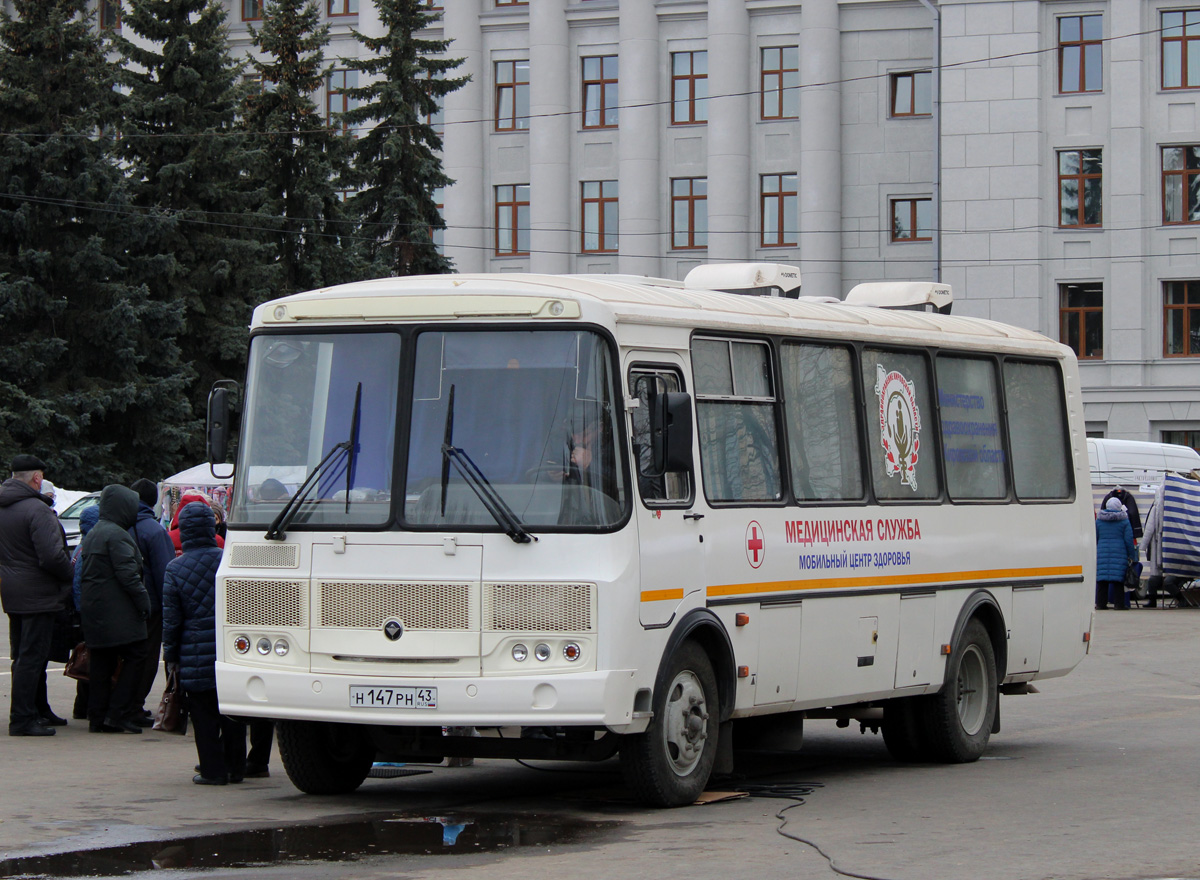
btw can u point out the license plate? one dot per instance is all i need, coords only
(364, 696)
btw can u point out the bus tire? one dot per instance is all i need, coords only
(904, 731)
(321, 757)
(959, 718)
(670, 763)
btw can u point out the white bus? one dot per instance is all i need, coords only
(570, 517)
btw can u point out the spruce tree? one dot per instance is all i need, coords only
(301, 157)
(397, 167)
(90, 377)
(189, 158)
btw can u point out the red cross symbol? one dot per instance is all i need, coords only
(756, 548)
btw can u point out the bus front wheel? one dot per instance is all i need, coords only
(669, 764)
(321, 757)
(959, 718)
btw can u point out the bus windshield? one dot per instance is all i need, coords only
(533, 411)
(526, 417)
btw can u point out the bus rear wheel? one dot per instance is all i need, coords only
(959, 718)
(321, 757)
(670, 763)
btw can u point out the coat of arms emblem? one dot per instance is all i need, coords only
(899, 425)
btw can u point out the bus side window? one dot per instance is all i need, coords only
(673, 487)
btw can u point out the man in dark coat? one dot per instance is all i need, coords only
(190, 640)
(114, 610)
(35, 578)
(157, 550)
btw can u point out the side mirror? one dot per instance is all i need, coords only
(671, 432)
(218, 421)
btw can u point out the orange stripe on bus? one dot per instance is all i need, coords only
(659, 595)
(895, 580)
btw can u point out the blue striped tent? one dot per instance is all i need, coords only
(1181, 527)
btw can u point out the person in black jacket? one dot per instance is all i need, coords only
(114, 609)
(1130, 504)
(157, 550)
(35, 579)
(189, 640)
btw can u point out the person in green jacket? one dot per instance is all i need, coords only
(114, 609)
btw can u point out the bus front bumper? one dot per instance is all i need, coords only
(576, 699)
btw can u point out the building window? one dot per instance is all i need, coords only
(500, 3)
(1181, 438)
(1181, 184)
(1079, 182)
(512, 95)
(1181, 49)
(337, 101)
(110, 15)
(689, 213)
(912, 93)
(779, 88)
(512, 220)
(1081, 319)
(689, 87)
(778, 202)
(252, 10)
(434, 5)
(342, 7)
(912, 220)
(1181, 318)
(1080, 53)
(599, 217)
(600, 91)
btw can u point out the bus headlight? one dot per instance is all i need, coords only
(572, 652)
(263, 646)
(520, 653)
(281, 647)
(241, 644)
(542, 652)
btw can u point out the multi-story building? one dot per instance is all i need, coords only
(1041, 156)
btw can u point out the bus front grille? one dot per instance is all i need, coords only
(264, 602)
(420, 605)
(515, 607)
(263, 555)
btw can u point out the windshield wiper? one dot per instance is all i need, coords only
(480, 485)
(352, 453)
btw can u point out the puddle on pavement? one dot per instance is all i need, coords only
(339, 842)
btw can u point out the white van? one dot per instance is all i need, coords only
(1132, 463)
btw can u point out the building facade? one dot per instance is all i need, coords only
(1041, 156)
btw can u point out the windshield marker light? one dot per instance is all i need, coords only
(241, 644)
(542, 652)
(281, 647)
(280, 312)
(557, 308)
(572, 652)
(263, 646)
(520, 653)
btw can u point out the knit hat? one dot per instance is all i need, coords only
(1114, 505)
(48, 489)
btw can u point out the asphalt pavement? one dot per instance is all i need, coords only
(1092, 779)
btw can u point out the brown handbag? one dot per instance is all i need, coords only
(79, 663)
(172, 714)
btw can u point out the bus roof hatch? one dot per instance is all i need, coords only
(916, 296)
(751, 279)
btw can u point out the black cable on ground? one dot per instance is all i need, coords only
(797, 792)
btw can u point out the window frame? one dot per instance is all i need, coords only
(514, 88)
(1081, 45)
(951, 475)
(1080, 178)
(645, 369)
(332, 94)
(1185, 309)
(780, 198)
(922, 75)
(1190, 17)
(105, 8)
(697, 106)
(1184, 175)
(912, 201)
(777, 91)
(1078, 316)
(349, 7)
(601, 201)
(513, 206)
(692, 199)
(258, 7)
(601, 88)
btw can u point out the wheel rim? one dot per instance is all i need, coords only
(686, 723)
(972, 690)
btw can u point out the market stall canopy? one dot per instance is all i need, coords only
(198, 479)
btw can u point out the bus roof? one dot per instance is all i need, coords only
(628, 300)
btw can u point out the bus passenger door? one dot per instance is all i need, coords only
(669, 532)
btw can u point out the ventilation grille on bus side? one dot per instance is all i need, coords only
(264, 603)
(264, 556)
(538, 607)
(366, 605)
